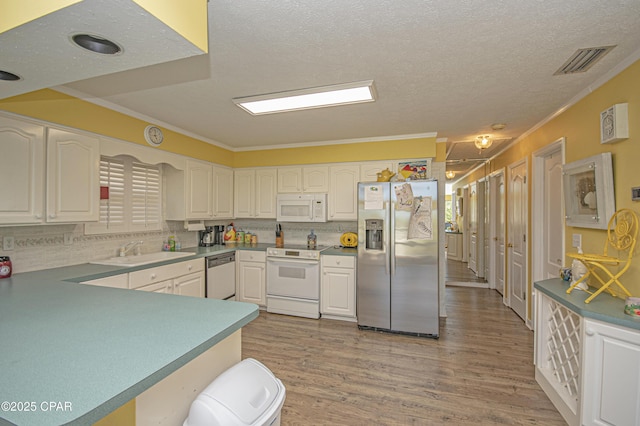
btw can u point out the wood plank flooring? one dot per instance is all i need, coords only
(457, 271)
(480, 371)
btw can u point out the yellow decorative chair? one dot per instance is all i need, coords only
(622, 232)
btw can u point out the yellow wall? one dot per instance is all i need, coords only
(188, 18)
(18, 12)
(56, 107)
(580, 126)
(363, 151)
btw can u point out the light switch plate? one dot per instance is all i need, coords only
(68, 238)
(635, 193)
(7, 243)
(576, 240)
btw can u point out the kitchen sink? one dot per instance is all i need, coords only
(143, 259)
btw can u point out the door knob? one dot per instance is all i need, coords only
(509, 245)
(495, 238)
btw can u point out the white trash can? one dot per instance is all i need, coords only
(246, 394)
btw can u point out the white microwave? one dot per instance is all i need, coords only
(301, 207)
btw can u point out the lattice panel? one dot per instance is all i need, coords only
(563, 346)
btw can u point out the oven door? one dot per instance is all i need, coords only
(293, 278)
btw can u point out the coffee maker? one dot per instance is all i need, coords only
(218, 234)
(206, 237)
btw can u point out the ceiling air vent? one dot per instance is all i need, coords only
(583, 59)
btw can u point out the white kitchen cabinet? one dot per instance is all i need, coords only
(611, 365)
(186, 278)
(369, 170)
(22, 170)
(189, 192)
(255, 193)
(222, 192)
(338, 287)
(251, 277)
(161, 287)
(589, 369)
(114, 281)
(307, 179)
(73, 177)
(454, 246)
(189, 285)
(343, 192)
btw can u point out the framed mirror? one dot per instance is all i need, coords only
(588, 192)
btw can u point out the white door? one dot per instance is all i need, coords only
(487, 230)
(464, 224)
(480, 236)
(517, 232)
(473, 227)
(547, 242)
(497, 239)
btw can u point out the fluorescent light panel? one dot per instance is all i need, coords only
(317, 97)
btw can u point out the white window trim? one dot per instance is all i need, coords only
(122, 185)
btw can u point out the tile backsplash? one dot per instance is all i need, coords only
(43, 246)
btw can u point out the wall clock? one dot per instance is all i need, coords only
(614, 124)
(153, 135)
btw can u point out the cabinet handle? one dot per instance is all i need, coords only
(338, 262)
(52, 216)
(153, 276)
(38, 216)
(189, 267)
(589, 332)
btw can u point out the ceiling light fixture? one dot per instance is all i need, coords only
(450, 174)
(316, 97)
(483, 142)
(8, 76)
(96, 44)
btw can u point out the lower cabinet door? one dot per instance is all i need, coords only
(189, 285)
(338, 292)
(610, 389)
(251, 283)
(161, 287)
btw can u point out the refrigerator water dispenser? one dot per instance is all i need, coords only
(374, 234)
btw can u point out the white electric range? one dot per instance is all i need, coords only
(293, 280)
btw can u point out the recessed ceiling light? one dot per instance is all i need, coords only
(9, 76)
(96, 44)
(316, 97)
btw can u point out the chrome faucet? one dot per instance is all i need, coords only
(133, 244)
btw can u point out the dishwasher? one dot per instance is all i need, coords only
(221, 276)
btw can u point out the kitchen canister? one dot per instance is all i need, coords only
(5, 267)
(632, 307)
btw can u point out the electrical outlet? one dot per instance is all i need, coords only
(576, 240)
(7, 243)
(68, 238)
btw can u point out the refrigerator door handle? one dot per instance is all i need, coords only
(391, 238)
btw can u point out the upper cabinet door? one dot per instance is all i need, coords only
(22, 169)
(73, 167)
(222, 193)
(315, 179)
(343, 196)
(265, 193)
(243, 193)
(289, 179)
(199, 190)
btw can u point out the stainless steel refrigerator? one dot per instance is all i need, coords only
(397, 277)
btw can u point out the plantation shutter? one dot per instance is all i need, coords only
(145, 197)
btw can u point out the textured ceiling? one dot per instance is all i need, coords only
(452, 67)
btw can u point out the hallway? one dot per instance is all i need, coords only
(458, 273)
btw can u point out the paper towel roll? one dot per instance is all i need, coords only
(197, 226)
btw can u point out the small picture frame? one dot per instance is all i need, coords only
(588, 192)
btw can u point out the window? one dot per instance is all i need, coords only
(130, 197)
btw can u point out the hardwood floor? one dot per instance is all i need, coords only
(480, 371)
(459, 272)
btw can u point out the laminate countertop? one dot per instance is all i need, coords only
(72, 353)
(604, 307)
